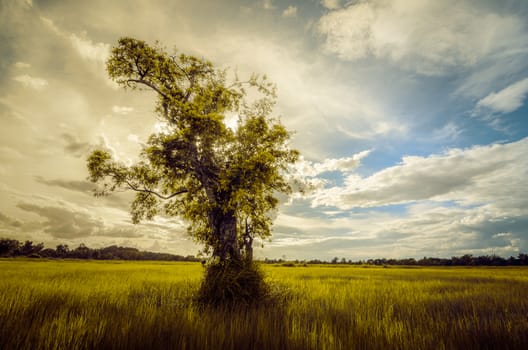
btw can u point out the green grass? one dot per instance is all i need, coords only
(148, 305)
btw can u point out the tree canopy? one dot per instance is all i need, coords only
(223, 181)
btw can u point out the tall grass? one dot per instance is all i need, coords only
(144, 305)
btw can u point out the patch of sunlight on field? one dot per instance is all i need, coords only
(148, 305)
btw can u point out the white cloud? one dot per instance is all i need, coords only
(448, 132)
(343, 165)
(106, 144)
(291, 11)
(331, 4)
(482, 174)
(506, 100)
(22, 65)
(51, 25)
(133, 138)
(85, 47)
(494, 73)
(426, 228)
(123, 110)
(427, 36)
(94, 53)
(89, 50)
(268, 4)
(375, 129)
(502, 234)
(32, 82)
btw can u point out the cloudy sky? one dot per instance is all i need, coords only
(411, 116)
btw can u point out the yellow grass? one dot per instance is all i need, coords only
(148, 305)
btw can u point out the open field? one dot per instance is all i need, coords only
(147, 305)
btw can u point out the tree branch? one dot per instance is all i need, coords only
(181, 69)
(149, 84)
(146, 190)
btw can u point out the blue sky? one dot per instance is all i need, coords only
(411, 116)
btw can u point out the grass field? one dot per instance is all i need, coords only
(147, 305)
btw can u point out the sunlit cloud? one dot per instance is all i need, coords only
(32, 82)
(291, 11)
(482, 174)
(22, 65)
(343, 165)
(428, 37)
(89, 50)
(506, 100)
(331, 4)
(268, 4)
(123, 110)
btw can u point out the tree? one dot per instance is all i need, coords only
(8, 247)
(224, 182)
(82, 252)
(62, 250)
(28, 248)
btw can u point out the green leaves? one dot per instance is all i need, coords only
(97, 164)
(199, 166)
(144, 206)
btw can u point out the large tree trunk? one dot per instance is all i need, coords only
(234, 278)
(224, 227)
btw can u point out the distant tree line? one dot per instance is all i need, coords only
(14, 248)
(465, 260)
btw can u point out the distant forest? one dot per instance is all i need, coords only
(13, 248)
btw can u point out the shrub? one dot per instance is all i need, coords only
(232, 282)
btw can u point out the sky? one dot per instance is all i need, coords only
(411, 117)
